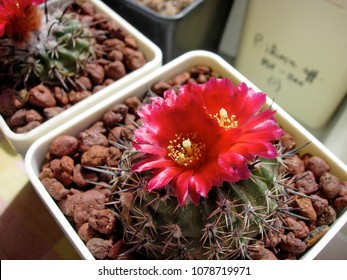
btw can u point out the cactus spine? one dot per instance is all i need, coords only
(54, 53)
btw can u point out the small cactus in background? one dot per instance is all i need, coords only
(55, 55)
(203, 176)
(48, 48)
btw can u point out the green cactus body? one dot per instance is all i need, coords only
(72, 50)
(220, 227)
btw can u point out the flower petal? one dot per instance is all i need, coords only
(2, 28)
(234, 166)
(162, 178)
(181, 186)
(152, 163)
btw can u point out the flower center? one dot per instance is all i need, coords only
(185, 151)
(224, 120)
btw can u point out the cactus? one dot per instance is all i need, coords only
(53, 53)
(222, 226)
(223, 222)
(68, 49)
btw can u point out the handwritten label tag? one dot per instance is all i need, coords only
(296, 52)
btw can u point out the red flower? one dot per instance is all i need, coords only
(19, 18)
(186, 144)
(239, 108)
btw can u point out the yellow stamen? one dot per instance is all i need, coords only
(187, 145)
(224, 120)
(185, 151)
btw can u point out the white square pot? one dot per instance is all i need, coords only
(21, 141)
(36, 154)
